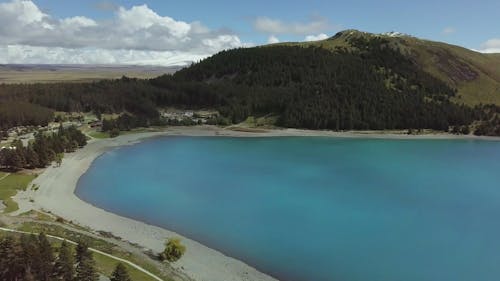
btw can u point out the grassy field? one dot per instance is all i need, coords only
(99, 135)
(10, 185)
(105, 135)
(76, 73)
(260, 122)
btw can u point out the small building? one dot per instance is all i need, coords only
(95, 124)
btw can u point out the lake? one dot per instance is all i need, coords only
(314, 208)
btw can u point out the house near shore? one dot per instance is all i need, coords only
(95, 124)
(8, 147)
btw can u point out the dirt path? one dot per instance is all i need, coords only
(6, 175)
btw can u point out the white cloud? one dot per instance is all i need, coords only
(449, 30)
(273, 39)
(133, 35)
(77, 22)
(40, 55)
(274, 26)
(25, 12)
(318, 37)
(491, 46)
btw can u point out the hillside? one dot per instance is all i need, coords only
(476, 76)
(353, 80)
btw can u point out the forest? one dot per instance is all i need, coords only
(45, 149)
(370, 86)
(34, 258)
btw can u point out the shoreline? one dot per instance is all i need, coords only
(57, 187)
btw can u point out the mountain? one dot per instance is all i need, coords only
(354, 80)
(475, 75)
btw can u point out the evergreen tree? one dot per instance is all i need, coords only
(85, 270)
(31, 157)
(64, 266)
(82, 251)
(30, 255)
(11, 267)
(46, 258)
(120, 273)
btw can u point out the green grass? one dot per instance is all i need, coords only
(260, 122)
(105, 135)
(9, 186)
(144, 130)
(106, 266)
(99, 135)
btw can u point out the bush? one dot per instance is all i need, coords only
(114, 133)
(173, 250)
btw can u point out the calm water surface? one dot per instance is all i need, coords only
(318, 208)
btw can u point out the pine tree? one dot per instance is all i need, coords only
(120, 274)
(31, 156)
(63, 268)
(85, 270)
(11, 267)
(46, 257)
(82, 251)
(30, 255)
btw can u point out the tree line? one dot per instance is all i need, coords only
(20, 113)
(43, 150)
(368, 86)
(489, 121)
(33, 258)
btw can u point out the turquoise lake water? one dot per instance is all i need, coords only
(317, 209)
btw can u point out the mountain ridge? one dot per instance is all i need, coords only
(475, 75)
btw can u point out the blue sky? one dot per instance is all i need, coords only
(473, 22)
(224, 24)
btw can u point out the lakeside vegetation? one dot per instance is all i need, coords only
(10, 184)
(173, 250)
(105, 265)
(43, 150)
(30, 257)
(366, 83)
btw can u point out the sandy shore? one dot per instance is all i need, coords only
(57, 186)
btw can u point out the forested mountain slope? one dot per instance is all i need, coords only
(476, 76)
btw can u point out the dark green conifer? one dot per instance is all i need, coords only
(120, 273)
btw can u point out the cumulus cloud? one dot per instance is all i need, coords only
(275, 26)
(58, 55)
(318, 37)
(491, 46)
(273, 39)
(136, 34)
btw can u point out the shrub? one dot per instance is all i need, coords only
(114, 133)
(173, 250)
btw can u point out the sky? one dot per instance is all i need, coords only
(166, 32)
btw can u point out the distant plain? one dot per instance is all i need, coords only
(48, 73)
